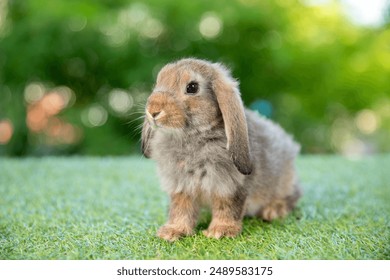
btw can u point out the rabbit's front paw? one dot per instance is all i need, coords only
(172, 233)
(218, 231)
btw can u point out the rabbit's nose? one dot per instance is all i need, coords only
(155, 114)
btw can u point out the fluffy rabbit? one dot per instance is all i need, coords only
(211, 151)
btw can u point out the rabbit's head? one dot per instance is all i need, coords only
(193, 94)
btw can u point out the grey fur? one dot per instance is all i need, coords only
(272, 153)
(195, 160)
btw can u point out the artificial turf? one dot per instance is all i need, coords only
(111, 208)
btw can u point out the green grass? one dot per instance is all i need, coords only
(110, 208)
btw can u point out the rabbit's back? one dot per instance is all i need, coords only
(273, 179)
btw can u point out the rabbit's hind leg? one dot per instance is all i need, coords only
(279, 208)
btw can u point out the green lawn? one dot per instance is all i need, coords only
(110, 208)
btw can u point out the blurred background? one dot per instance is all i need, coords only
(74, 75)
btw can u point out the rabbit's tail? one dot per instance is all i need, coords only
(293, 198)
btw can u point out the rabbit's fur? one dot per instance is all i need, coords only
(212, 151)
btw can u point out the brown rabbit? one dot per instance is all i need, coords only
(212, 151)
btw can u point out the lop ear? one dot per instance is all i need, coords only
(236, 129)
(146, 135)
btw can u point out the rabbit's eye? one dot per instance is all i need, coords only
(192, 88)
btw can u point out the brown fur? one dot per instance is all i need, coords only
(227, 214)
(183, 214)
(162, 103)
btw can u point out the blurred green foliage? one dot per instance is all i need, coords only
(321, 77)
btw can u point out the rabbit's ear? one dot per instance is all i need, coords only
(146, 136)
(236, 129)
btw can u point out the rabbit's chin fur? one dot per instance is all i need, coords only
(210, 150)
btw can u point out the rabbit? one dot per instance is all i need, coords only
(211, 151)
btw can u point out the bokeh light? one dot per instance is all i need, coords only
(210, 25)
(67, 94)
(37, 118)
(94, 116)
(34, 92)
(133, 20)
(43, 107)
(120, 101)
(367, 121)
(264, 107)
(60, 132)
(52, 103)
(152, 28)
(6, 131)
(365, 12)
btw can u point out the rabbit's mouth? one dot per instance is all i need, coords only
(154, 125)
(163, 121)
